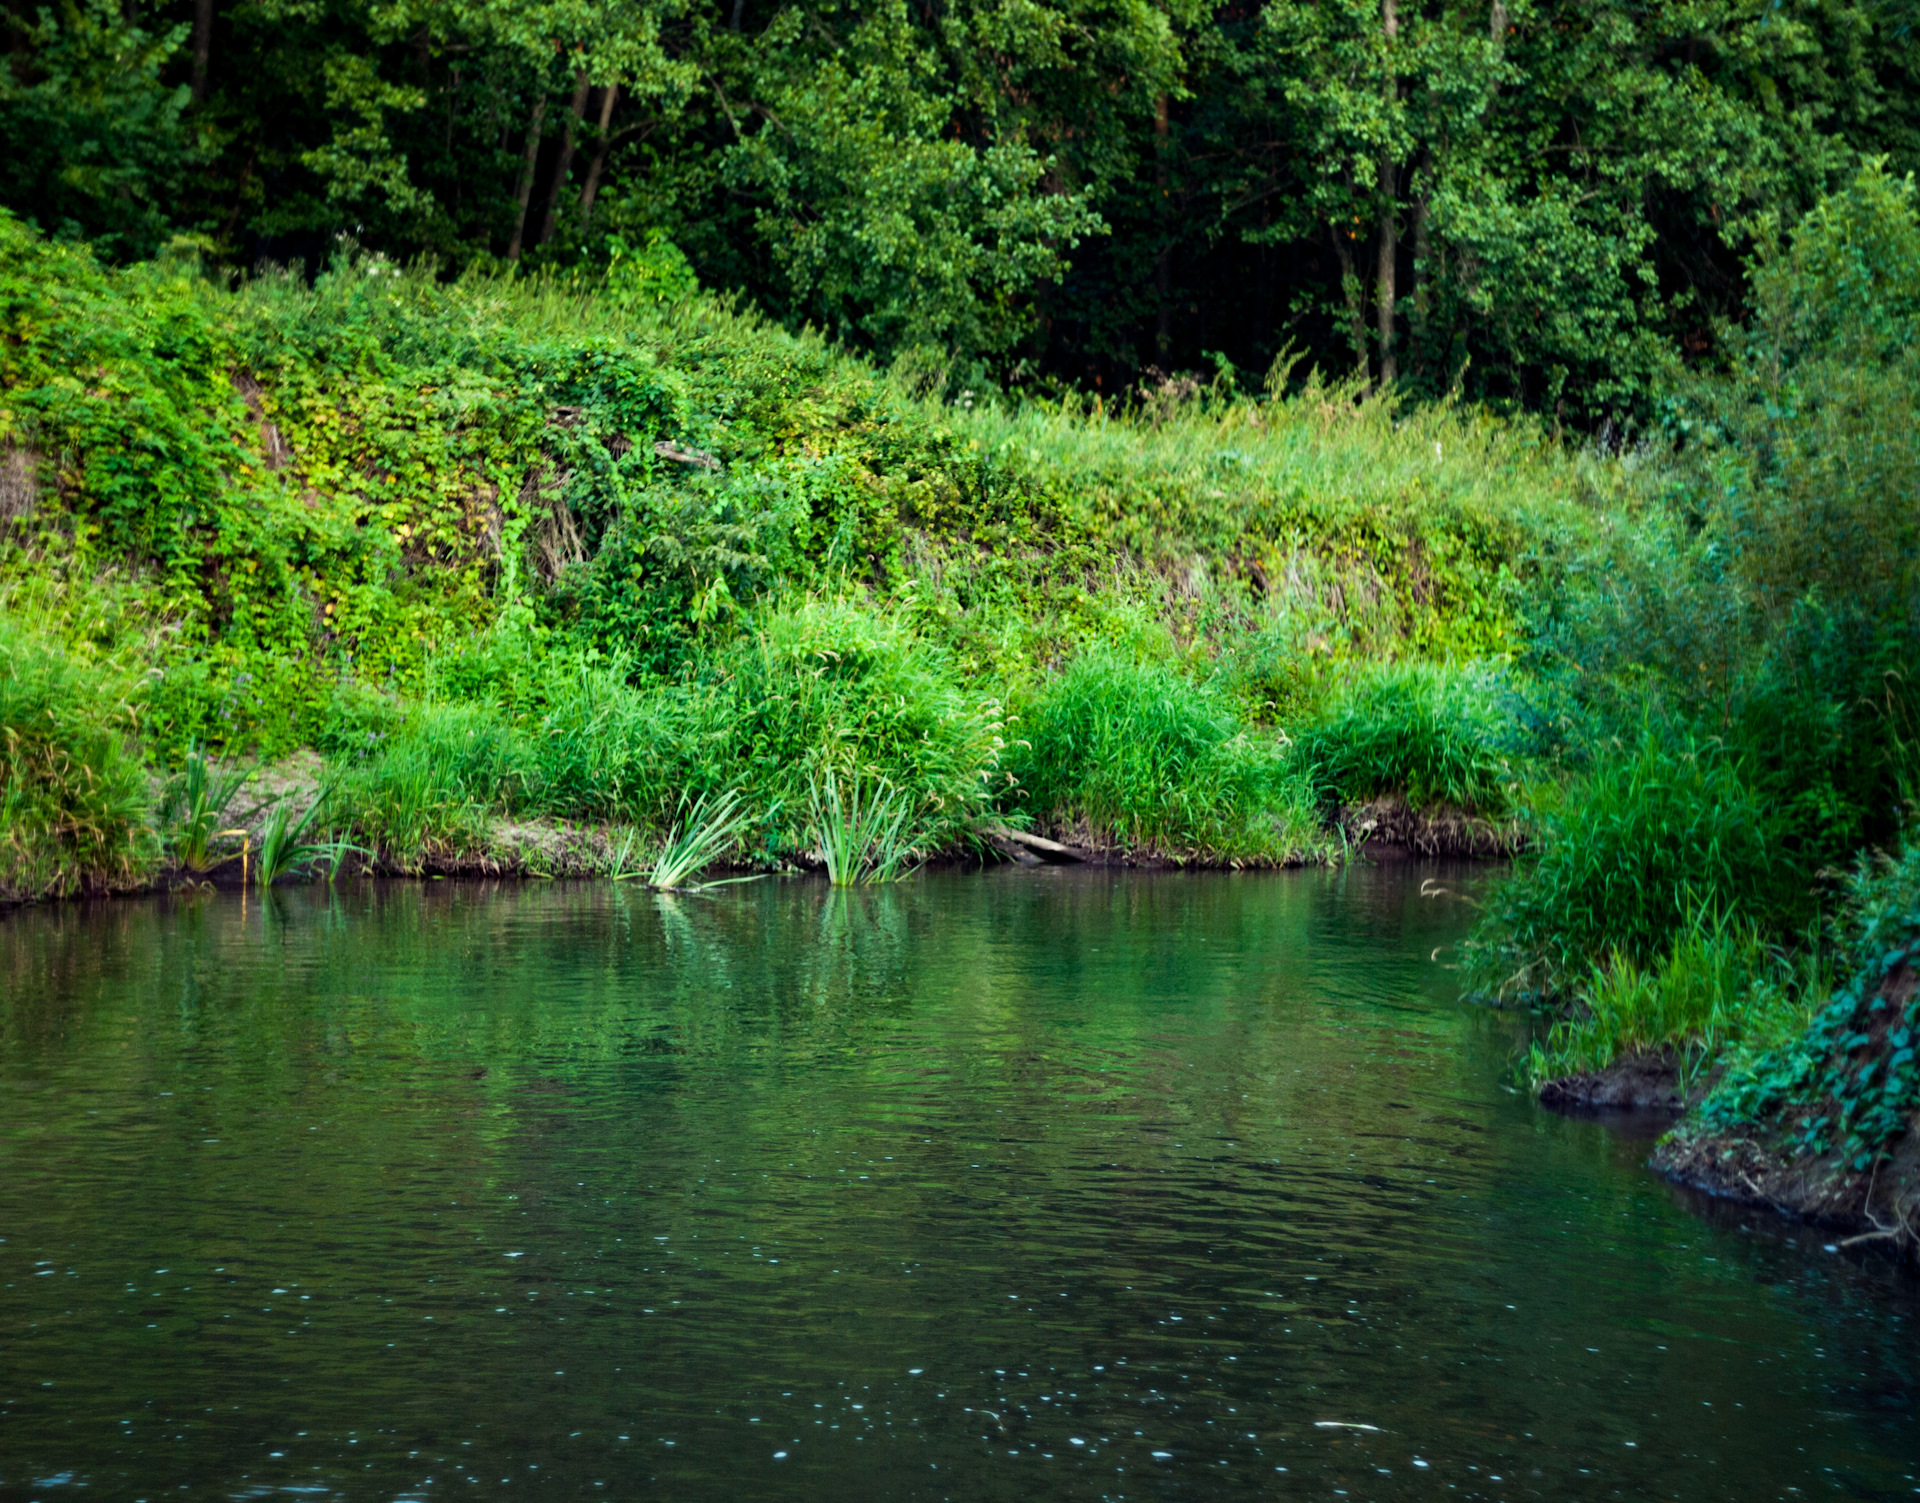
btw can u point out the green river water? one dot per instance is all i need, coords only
(1020, 1185)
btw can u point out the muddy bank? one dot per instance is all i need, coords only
(1644, 1081)
(1391, 826)
(1880, 1209)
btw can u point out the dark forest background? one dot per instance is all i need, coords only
(1545, 204)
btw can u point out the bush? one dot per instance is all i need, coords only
(1707, 989)
(838, 687)
(73, 798)
(424, 789)
(1632, 852)
(1850, 1081)
(1147, 757)
(1429, 731)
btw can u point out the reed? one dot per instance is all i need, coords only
(703, 832)
(285, 848)
(1431, 732)
(196, 805)
(1145, 756)
(865, 836)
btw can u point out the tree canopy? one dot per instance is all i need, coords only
(1534, 201)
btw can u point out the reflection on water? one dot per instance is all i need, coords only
(1028, 1185)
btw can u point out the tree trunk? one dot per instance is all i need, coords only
(1350, 290)
(523, 195)
(202, 47)
(1163, 265)
(1385, 192)
(608, 96)
(1422, 275)
(563, 168)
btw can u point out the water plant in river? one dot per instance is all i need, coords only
(284, 847)
(703, 832)
(196, 807)
(865, 835)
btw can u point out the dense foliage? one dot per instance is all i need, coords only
(1541, 201)
(588, 544)
(571, 547)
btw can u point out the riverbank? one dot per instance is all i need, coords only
(526, 567)
(549, 554)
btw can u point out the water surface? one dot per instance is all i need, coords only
(1030, 1185)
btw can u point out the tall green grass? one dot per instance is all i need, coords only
(74, 809)
(425, 791)
(1655, 833)
(1143, 756)
(1717, 983)
(834, 686)
(1432, 732)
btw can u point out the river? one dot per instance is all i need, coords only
(1024, 1185)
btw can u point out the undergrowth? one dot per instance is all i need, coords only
(1141, 756)
(1717, 983)
(73, 796)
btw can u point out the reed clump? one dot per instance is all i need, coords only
(865, 834)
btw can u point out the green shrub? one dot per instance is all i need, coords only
(1714, 981)
(824, 686)
(73, 798)
(1147, 757)
(1429, 731)
(1849, 1082)
(1825, 723)
(1631, 852)
(426, 789)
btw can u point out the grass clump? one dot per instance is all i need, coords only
(1432, 733)
(866, 836)
(1140, 755)
(288, 844)
(1717, 983)
(424, 792)
(1630, 853)
(73, 796)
